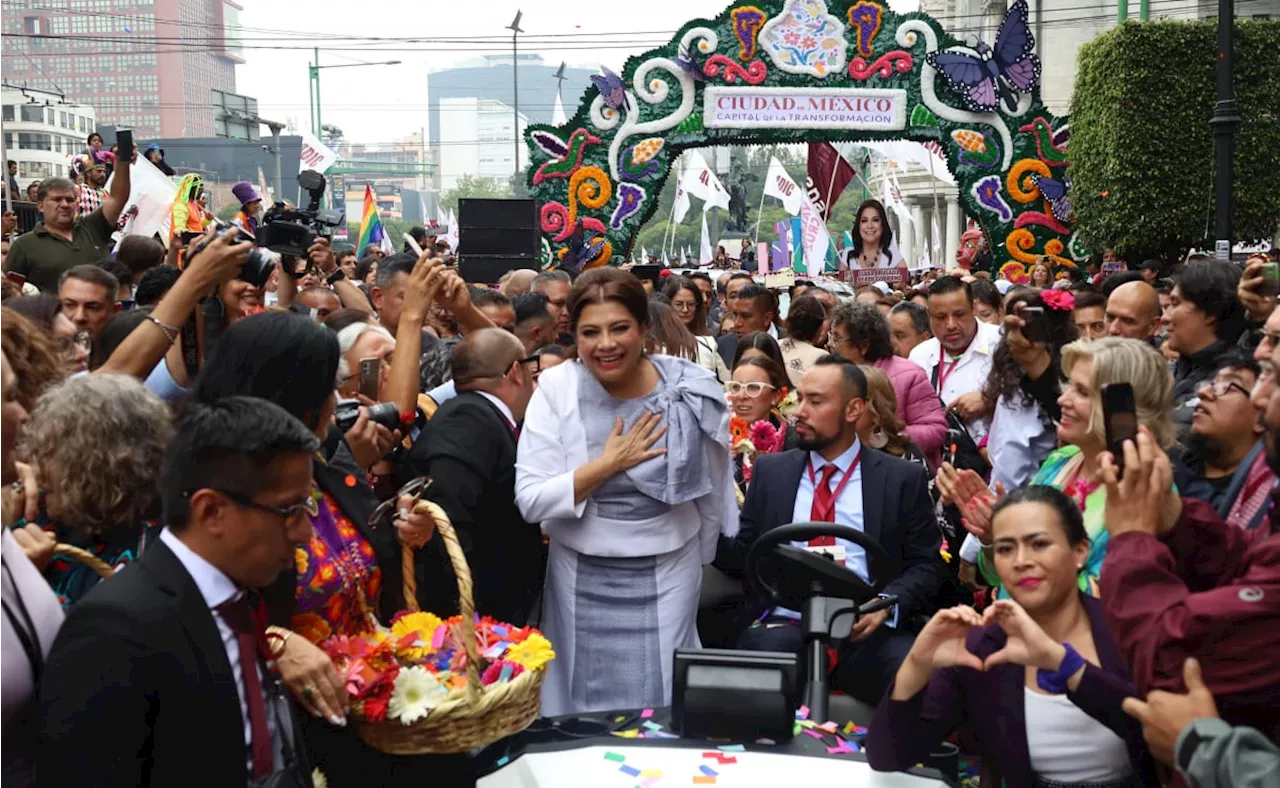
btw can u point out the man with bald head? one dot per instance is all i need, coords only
(1133, 311)
(516, 282)
(469, 451)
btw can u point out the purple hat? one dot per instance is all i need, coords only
(245, 193)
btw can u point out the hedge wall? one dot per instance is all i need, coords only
(1141, 145)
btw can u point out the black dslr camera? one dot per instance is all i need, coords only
(291, 232)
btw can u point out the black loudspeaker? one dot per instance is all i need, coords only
(495, 236)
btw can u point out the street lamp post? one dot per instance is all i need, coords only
(514, 27)
(313, 73)
(1226, 118)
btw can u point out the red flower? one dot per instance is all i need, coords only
(1058, 300)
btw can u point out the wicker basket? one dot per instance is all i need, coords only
(475, 716)
(85, 557)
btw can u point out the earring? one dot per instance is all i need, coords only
(878, 439)
(1079, 566)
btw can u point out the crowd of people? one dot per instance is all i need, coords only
(246, 458)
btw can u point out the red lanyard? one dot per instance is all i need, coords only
(835, 494)
(944, 371)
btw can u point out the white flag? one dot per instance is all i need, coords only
(557, 112)
(684, 259)
(681, 206)
(644, 256)
(893, 201)
(705, 255)
(779, 184)
(315, 155)
(701, 182)
(815, 240)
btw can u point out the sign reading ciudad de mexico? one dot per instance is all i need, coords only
(804, 108)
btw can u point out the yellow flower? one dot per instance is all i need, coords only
(412, 635)
(533, 652)
(300, 558)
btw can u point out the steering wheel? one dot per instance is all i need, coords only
(799, 571)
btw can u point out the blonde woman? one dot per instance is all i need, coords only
(1088, 366)
(879, 427)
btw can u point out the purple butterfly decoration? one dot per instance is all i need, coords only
(994, 75)
(690, 66)
(580, 251)
(1055, 193)
(610, 86)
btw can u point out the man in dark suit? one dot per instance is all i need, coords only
(470, 454)
(754, 309)
(833, 477)
(155, 678)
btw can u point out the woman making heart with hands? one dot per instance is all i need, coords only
(1037, 677)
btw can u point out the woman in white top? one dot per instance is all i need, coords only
(689, 305)
(624, 462)
(1038, 678)
(872, 240)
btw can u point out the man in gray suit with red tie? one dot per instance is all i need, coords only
(833, 477)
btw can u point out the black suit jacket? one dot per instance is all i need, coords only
(896, 512)
(138, 690)
(727, 344)
(470, 453)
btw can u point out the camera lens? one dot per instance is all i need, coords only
(386, 414)
(257, 269)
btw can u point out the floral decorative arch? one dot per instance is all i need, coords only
(789, 71)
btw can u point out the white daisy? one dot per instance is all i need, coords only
(416, 692)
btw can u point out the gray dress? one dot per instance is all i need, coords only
(615, 621)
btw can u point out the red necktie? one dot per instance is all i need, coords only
(239, 616)
(823, 509)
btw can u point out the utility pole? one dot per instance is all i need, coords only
(1225, 120)
(514, 27)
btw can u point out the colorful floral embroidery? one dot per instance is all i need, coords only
(335, 570)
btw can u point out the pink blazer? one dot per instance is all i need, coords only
(918, 405)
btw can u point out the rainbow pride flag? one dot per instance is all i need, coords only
(371, 232)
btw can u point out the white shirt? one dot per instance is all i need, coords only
(848, 511)
(501, 406)
(969, 372)
(217, 588)
(1067, 745)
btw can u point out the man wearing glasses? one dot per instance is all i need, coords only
(1225, 462)
(172, 644)
(469, 450)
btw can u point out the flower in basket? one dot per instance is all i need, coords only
(533, 653)
(501, 670)
(759, 438)
(416, 692)
(413, 635)
(374, 698)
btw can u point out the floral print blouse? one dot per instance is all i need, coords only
(338, 576)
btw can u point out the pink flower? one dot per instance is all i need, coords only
(494, 671)
(791, 38)
(764, 436)
(808, 43)
(1058, 300)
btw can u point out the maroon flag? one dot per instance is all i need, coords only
(829, 173)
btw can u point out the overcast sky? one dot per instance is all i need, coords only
(386, 103)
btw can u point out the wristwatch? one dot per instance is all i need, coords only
(337, 276)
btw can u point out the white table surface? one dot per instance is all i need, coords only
(587, 767)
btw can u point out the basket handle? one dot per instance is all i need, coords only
(85, 557)
(466, 601)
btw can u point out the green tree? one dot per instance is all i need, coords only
(1141, 146)
(474, 186)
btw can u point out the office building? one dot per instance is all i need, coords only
(86, 51)
(467, 102)
(42, 132)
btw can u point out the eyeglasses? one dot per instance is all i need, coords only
(833, 340)
(752, 390)
(1220, 388)
(308, 507)
(69, 346)
(684, 306)
(534, 363)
